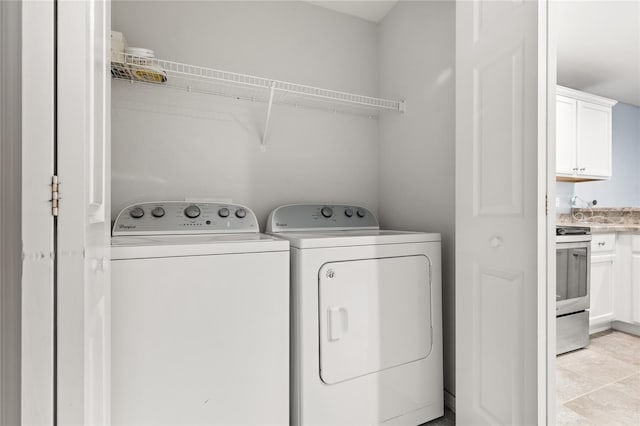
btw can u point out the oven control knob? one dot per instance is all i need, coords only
(157, 212)
(192, 212)
(136, 213)
(241, 213)
(326, 212)
(348, 212)
(360, 213)
(223, 212)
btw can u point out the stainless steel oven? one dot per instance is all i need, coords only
(573, 271)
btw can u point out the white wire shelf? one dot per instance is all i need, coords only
(211, 81)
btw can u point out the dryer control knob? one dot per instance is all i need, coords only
(223, 212)
(136, 213)
(326, 212)
(192, 212)
(241, 213)
(360, 213)
(348, 212)
(157, 212)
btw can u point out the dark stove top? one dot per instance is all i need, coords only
(572, 230)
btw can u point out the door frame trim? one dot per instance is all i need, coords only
(547, 343)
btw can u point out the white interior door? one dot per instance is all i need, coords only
(83, 302)
(501, 228)
(37, 375)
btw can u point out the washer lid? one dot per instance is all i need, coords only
(140, 247)
(323, 239)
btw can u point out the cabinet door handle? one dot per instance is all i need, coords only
(601, 243)
(575, 169)
(582, 169)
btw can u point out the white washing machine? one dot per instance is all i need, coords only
(366, 318)
(200, 317)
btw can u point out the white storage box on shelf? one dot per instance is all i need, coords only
(118, 45)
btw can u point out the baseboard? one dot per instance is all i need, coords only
(450, 401)
(597, 328)
(616, 325)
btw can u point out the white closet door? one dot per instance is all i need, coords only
(500, 213)
(37, 376)
(83, 224)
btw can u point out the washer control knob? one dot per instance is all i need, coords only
(192, 212)
(360, 213)
(348, 212)
(241, 213)
(326, 211)
(223, 212)
(136, 212)
(157, 212)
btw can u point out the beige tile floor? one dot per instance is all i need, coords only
(600, 384)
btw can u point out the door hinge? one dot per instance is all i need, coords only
(546, 204)
(55, 195)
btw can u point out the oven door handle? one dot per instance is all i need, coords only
(582, 244)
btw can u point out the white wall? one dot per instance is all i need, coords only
(417, 158)
(168, 145)
(171, 145)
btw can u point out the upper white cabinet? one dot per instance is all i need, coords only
(583, 135)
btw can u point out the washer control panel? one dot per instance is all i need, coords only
(178, 217)
(321, 217)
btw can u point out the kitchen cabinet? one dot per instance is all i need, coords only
(583, 136)
(615, 282)
(627, 286)
(603, 275)
(635, 279)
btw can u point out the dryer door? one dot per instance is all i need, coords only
(374, 314)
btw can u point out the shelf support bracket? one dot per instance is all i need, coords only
(263, 144)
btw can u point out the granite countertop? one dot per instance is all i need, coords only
(604, 219)
(598, 228)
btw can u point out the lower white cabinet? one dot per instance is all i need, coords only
(615, 280)
(603, 279)
(634, 284)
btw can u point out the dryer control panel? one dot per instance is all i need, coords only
(183, 217)
(321, 217)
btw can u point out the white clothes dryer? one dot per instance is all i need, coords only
(366, 318)
(200, 317)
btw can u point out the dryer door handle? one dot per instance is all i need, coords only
(338, 322)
